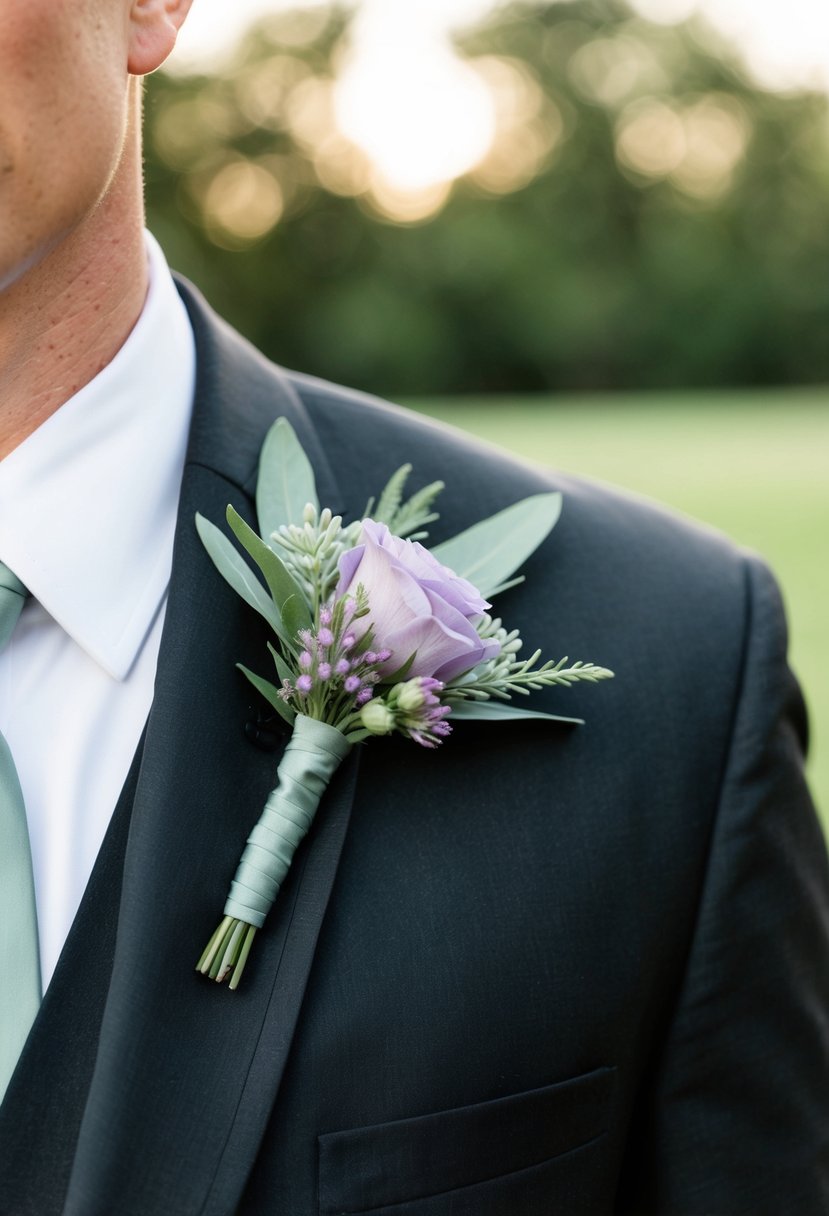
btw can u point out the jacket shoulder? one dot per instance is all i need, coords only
(612, 553)
(368, 439)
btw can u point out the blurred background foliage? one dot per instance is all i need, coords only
(627, 213)
(646, 216)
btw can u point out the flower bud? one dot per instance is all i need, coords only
(410, 696)
(377, 717)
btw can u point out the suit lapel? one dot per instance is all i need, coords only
(186, 1071)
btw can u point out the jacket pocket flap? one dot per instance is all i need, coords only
(388, 1163)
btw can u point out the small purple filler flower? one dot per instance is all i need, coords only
(416, 605)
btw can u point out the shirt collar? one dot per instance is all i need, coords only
(88, 501)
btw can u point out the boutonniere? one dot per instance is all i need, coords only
(374, 634)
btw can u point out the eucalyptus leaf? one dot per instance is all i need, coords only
(507, 586)
(270, 693)
(493, 711)
(491, 551)
(286, 479)
(281, 583)
(295, 615)
(235, 570)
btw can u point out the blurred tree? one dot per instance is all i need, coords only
(646, 216)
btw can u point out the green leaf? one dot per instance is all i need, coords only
(269, 692)
(416, 512)
(507, 586)
(493, 711)
(392, 495)
(235, 570)
(281, 583)
(398, 676)
(358, 736)
(286, 479)
(491, 551)
(295, 614)
(423, 499)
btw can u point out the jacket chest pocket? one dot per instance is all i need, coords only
(527, 1154)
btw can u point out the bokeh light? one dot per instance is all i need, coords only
(716, 136)
(242, 203)
(422, 117)
(421, 122)
(784, 43)
(528, 125)
(650, 137)
(696, 146)
(264, 89)
(406, 115)
(609, 70)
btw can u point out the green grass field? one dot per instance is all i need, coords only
(754, 465)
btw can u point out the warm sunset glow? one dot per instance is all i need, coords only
(786, 42)
(423, 117)
(406, 115)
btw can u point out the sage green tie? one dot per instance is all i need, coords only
(19, 953)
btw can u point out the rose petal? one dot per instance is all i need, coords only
(348, 564)
(450, 616)
(394, 597)
(456, 666)
(455, 595)
(415, 604)
(434, 643)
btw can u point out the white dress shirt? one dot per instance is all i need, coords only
(87, 514)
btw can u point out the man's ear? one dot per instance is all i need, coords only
(154, 26)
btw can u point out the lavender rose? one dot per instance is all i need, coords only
(416, 605)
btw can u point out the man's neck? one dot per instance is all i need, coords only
(64, 320)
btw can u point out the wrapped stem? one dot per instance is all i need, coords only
(314, 753)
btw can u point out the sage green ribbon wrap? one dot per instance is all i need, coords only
(314, 753)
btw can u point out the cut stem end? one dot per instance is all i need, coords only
(227, 951)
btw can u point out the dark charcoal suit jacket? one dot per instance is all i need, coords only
(545, 969)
